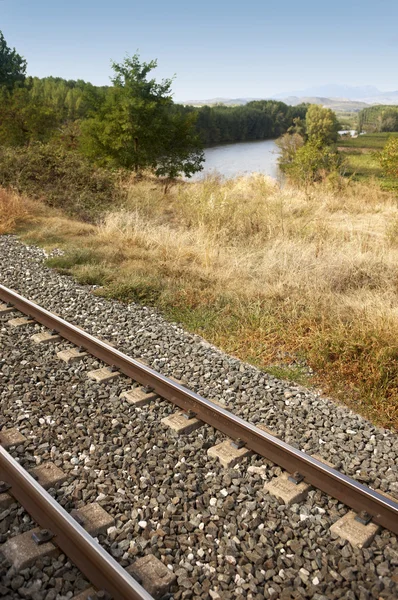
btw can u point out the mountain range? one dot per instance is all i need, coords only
(336, 96)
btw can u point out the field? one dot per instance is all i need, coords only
(301, 284)
(361, 157)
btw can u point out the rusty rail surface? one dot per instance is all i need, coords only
(383, 510)
(98, 566)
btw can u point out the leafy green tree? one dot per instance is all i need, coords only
(389, 157)
(136, 125)
(321, 125)
(12, 65)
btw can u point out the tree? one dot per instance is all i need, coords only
(389, 157)
(298, 127)
(137, 126)
(288, 145)
(23, 119)
(321, 125)
(12, 65)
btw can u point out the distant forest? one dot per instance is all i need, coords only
(58, 103)
(377, 119)
(257, 120)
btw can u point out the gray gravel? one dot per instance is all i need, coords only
(218, 530)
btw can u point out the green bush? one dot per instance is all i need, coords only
(388, 158)
(60, 178)
(313, 163)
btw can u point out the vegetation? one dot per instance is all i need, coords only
(135, 125)
(362, 158)
(280, 277)
(62, 178)
(378, 119)
(256, 120)
(313, 163)
(289, 279)
(12, 65)
(307, 154)
(389, 158)
(321, 125)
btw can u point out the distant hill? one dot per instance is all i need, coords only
(335, 96)
(333, 103)
(368, 94)
(334, 90)
(224, 101)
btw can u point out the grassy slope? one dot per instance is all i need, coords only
(277, 277)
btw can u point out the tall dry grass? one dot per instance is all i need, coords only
(14, 209)
(260, 270)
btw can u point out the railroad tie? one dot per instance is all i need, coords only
(103, 375)
(45, 337)
(150, 572)
(71, 355)
(139, 396)
(5, 309)
(20, 322)
(182, 423)
(229, 453)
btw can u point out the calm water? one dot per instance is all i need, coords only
(231, 160)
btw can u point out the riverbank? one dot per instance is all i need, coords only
(299, 284)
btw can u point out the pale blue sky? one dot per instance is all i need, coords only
(215, 48)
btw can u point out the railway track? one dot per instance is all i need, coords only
(303, 470)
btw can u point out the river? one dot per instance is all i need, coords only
(231, 160)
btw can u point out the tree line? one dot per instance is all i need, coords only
(378, 119)
(257, 120)
(132, 123)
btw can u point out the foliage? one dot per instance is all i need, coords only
(288, 145)
(62, 179)
(378, 119)
(256, 120)
(313, 163)
(23, 119)
(363, 158)
(136, 126)
(12, 65)
(298, 127)
(321, 125)
(389, 158)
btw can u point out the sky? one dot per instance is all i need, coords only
(214, 48)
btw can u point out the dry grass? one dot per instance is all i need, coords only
(263, 272)
(14, 210)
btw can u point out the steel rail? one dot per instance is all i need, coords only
(98, 566)
(383, 510)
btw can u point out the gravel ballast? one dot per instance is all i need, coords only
(217, 529)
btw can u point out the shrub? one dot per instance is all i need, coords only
(13, 210)
(60, 178)
(313, 163)
(389, 158)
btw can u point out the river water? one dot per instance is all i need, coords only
(243, 158)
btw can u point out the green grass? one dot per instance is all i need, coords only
(374, 141)
(361, 158)
(294, 373)
(78, 256)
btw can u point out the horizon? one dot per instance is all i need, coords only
(215, 51)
